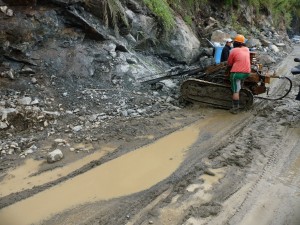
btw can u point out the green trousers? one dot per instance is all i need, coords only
(235, 80)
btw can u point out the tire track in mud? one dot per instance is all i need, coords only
(277, 164)
(271, 159)
(263, 110)
(273, 156)
(211, 206)
(261, 200)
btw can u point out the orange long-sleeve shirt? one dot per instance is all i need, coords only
(239, 59)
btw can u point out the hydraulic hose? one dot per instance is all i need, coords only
(288, 91)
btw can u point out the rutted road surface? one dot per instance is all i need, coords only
(219, 169)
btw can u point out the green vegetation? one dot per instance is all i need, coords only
(229, 2)
(188, 20)
(280, 10)
(164, 13)
(187, 8)
(255, 4)
(113, 13)
(277, 8)
(163, 9)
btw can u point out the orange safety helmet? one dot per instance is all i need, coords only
(239, 38)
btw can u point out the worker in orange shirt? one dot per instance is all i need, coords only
(239, 61)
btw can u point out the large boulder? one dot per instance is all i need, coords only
(265, 59)
(219, 36)
(253, 42)
(142, 26)
(182, 45)
(274, 48)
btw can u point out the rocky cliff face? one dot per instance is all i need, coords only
(59, 60)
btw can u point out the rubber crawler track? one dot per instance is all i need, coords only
(214, 94)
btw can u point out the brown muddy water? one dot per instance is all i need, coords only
(130, 173)
(23, 177)
(133, 172)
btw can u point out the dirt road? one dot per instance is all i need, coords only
(199, 166)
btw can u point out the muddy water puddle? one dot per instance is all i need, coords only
(131, 173)
(22, 177)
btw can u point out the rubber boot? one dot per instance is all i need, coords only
(298, 95)
(235, 107)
